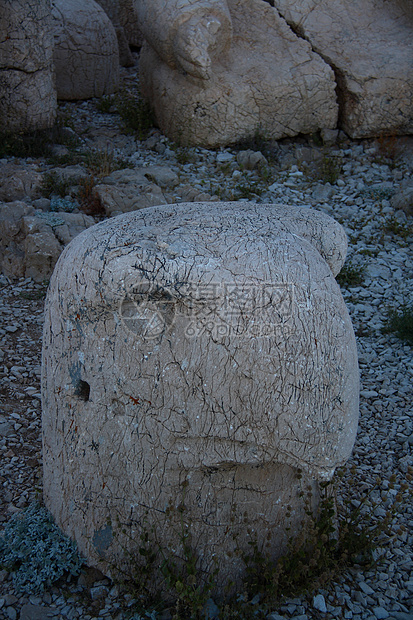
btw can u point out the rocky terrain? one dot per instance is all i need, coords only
(365, 185)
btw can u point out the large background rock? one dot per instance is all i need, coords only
(370, 45)
(196, 358)
(27, 88)
(124, 17)
(86, 55)
(267, 79)
(31, 241)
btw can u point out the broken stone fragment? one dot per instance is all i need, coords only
(129, 190)
(370, 45)
(199, 372)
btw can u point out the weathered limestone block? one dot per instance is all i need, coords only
(370, 45)
(128, 190)
(17, 181)
(195, 358)
(11, 253)
(32, 241)
(27, 89)
(86, 55)
(216, 71)
(125, 20)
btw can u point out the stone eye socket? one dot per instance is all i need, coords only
(83, 390)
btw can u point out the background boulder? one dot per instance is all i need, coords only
(86, 54)
(27, 87)
(370, 45)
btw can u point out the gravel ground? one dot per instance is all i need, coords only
(363, 199)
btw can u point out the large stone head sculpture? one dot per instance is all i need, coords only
(196, 355)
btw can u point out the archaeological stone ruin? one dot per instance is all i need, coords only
(27, 92)
(216, 71)
(199, 373)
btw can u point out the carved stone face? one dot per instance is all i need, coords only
(195, 343)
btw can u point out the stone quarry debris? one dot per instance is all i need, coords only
(199, 371)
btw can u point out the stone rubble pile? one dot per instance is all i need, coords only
(370, 196)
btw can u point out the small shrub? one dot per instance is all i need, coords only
(329, 542)
(36, 552)
(102, 162)
(351, 275)
(387, 144)
(378, 193)
(259, 142)
(400, 322)
(51, 219)
(88, 199)
(184, 155)
(340, 534)
(54, 184)
(329, 169)
(394, 227)
(39, 143)
(33, 144)
(62, 204)
(105, 104)
(247, 189)
(135, 113)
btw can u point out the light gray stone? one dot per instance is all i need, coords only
(86, 55)
(27, 88)
(250, 160)
(370, 45)
(6, 429)
(217, 71)
(128, 190)
(322, 192)
(319, 603)
(17, 181)
(31, 242)
(41, 251)
(162, 176)
(195, 356)
(36, 612)
(403, 200)
(74, 224)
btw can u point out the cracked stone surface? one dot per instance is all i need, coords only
(27, 92)
(216, 72)
(199, 372)
(124, 17)
(86, 55)
(370, 45)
